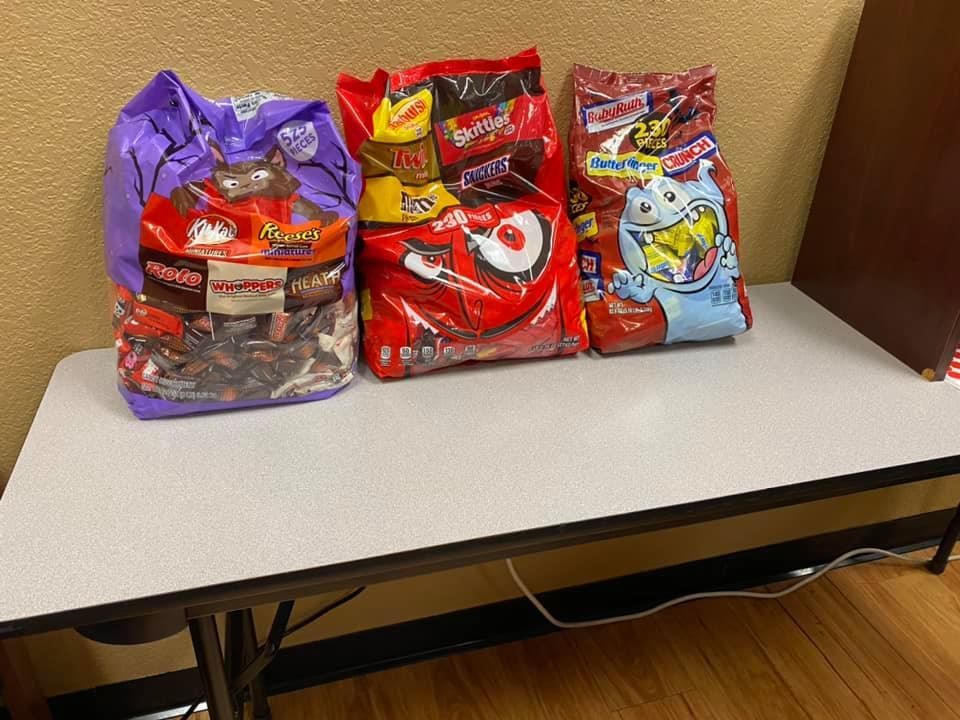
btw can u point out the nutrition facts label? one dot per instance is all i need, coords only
(246, 106)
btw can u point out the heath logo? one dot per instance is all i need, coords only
(407, 159)
(414, 205)
(167, 274)
(483, 127)
(687, 155)
(626, 165)
(308, 282)
(246, 286)
(211, 230)
(613, 113)
(487, 171)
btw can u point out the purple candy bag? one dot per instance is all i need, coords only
(229, 231)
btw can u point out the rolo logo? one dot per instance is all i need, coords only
(211, 230)
(168, 274)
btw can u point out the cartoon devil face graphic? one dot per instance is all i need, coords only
(479, 282)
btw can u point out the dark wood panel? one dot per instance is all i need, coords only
(882, 244)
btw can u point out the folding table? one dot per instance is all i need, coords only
(133, 529)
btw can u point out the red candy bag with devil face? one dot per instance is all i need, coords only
(655, 210)
(467, 252)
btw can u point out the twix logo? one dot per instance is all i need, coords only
(409, 158)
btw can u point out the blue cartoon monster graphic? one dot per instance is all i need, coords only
(673, 240)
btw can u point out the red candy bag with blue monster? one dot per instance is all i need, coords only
(655, 210)
(466, 250)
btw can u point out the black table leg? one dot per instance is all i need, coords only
(206, 646)
(939, 562)
(258, 695)
(234, 658)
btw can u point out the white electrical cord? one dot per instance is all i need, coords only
(715, 594)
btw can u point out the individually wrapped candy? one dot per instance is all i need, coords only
(655, 210)
(467, 252)
(229, 233)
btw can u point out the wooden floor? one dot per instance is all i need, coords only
(872, 641)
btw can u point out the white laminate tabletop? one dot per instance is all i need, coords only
(104, 508)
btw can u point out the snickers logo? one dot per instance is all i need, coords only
(487, 171)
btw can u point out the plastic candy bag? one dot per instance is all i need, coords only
(655, 210)
(229, 231)
(466, 250)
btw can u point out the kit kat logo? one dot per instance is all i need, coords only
(687, 155)
(613, 113)
(211, 230)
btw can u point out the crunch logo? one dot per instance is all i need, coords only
(688, 154)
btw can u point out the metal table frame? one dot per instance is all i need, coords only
(230, 674)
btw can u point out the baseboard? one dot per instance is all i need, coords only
(381, 648)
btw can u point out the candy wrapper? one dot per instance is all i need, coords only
(229, 233)
(466, 252)
(655, 210)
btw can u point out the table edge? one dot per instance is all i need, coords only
(206, 600)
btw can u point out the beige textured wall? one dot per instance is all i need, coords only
(68, 66)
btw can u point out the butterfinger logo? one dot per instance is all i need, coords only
(626, 165)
